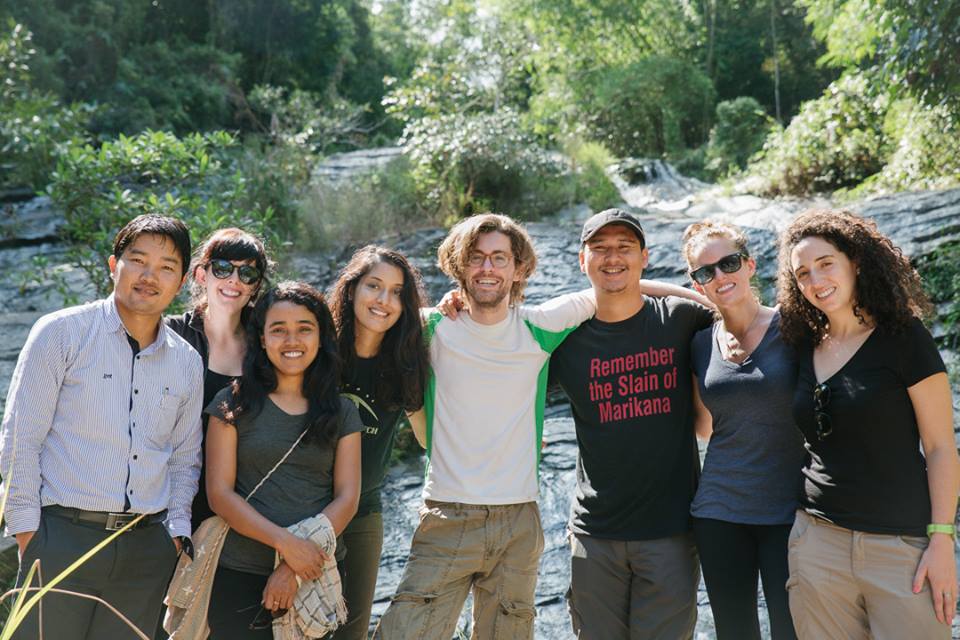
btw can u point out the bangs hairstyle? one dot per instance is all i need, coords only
(321, 380)
(228, 244)
(156, 225)
(697, 235)
(887, 286)
(402, 362)
(455, 249)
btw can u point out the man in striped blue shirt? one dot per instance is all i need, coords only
(102, 424)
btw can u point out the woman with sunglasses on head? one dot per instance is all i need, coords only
(872, 549)
(376, 304)
(227, 273)
(282, 433)
(747, 495)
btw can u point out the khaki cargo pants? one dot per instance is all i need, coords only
(857, 586)
(493, 550)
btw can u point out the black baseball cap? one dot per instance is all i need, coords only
(612, 216)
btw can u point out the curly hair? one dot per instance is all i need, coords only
(402, 362)
(699, 233)
(321, 380)
(228, 244)
(887, 288)
(455, 249)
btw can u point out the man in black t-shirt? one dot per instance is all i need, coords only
(634, 568)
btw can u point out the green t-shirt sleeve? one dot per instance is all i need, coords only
(555, 319)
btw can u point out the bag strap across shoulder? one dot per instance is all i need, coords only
(279, 462)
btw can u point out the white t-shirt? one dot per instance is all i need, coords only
(485, 399)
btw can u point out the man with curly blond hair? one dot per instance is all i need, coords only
(480, 525)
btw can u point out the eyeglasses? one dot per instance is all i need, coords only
(264, 618)
(821, 398)
(498, 260)
(223, 269)
(728, 264)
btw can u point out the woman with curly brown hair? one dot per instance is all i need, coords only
(871, 554)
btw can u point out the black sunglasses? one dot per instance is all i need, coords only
(821, 398)
(264, 618)
(223, 269)
(728, 264)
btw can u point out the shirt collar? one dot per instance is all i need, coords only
(112, 323)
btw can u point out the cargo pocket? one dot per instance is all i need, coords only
(514, 621)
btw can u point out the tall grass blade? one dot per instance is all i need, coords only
(18, 614)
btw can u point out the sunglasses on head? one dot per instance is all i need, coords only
(821, 398)
(223, 269)
(728, 264)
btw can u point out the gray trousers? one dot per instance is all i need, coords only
(131, 573)
(633, 590)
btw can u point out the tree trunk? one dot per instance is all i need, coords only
(776, 58)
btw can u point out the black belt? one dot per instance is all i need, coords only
(109, 521)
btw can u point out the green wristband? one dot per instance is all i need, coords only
(948, 529)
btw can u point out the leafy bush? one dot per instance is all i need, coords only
(741, 129)
(305, 119)
(591, 182)
(648, 108)
(193, 178)
(835, 141)
(382, 202)
(940, 271)
(927, 155)
(34, 127)
(178, 86)
(465, 163)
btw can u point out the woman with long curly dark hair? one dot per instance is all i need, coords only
(871, 553)
(376, 304)
(289, 387)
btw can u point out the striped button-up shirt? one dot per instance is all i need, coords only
(92, 425)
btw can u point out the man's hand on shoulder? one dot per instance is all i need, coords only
(660, 289)
(452, 303)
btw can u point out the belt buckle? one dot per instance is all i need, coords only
(117, 521)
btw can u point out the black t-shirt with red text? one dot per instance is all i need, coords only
(630, 388)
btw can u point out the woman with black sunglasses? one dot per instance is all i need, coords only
(747, 496)
(227, 273)
(872, 549)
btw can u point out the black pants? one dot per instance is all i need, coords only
(131, 573)
(235, 611)
(731, 556)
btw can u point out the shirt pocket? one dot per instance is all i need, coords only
(164, 420)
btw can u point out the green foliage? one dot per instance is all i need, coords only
(940, 271)
(304, 119)
(913, 43)
(745, 48)
(649, 108)
(467, 163)
(836, 141)
(34, 126)
(192, 178)
(179, 86)
(591, 183)
(379, 203)
(741, 129)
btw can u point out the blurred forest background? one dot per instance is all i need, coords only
(218, 110)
